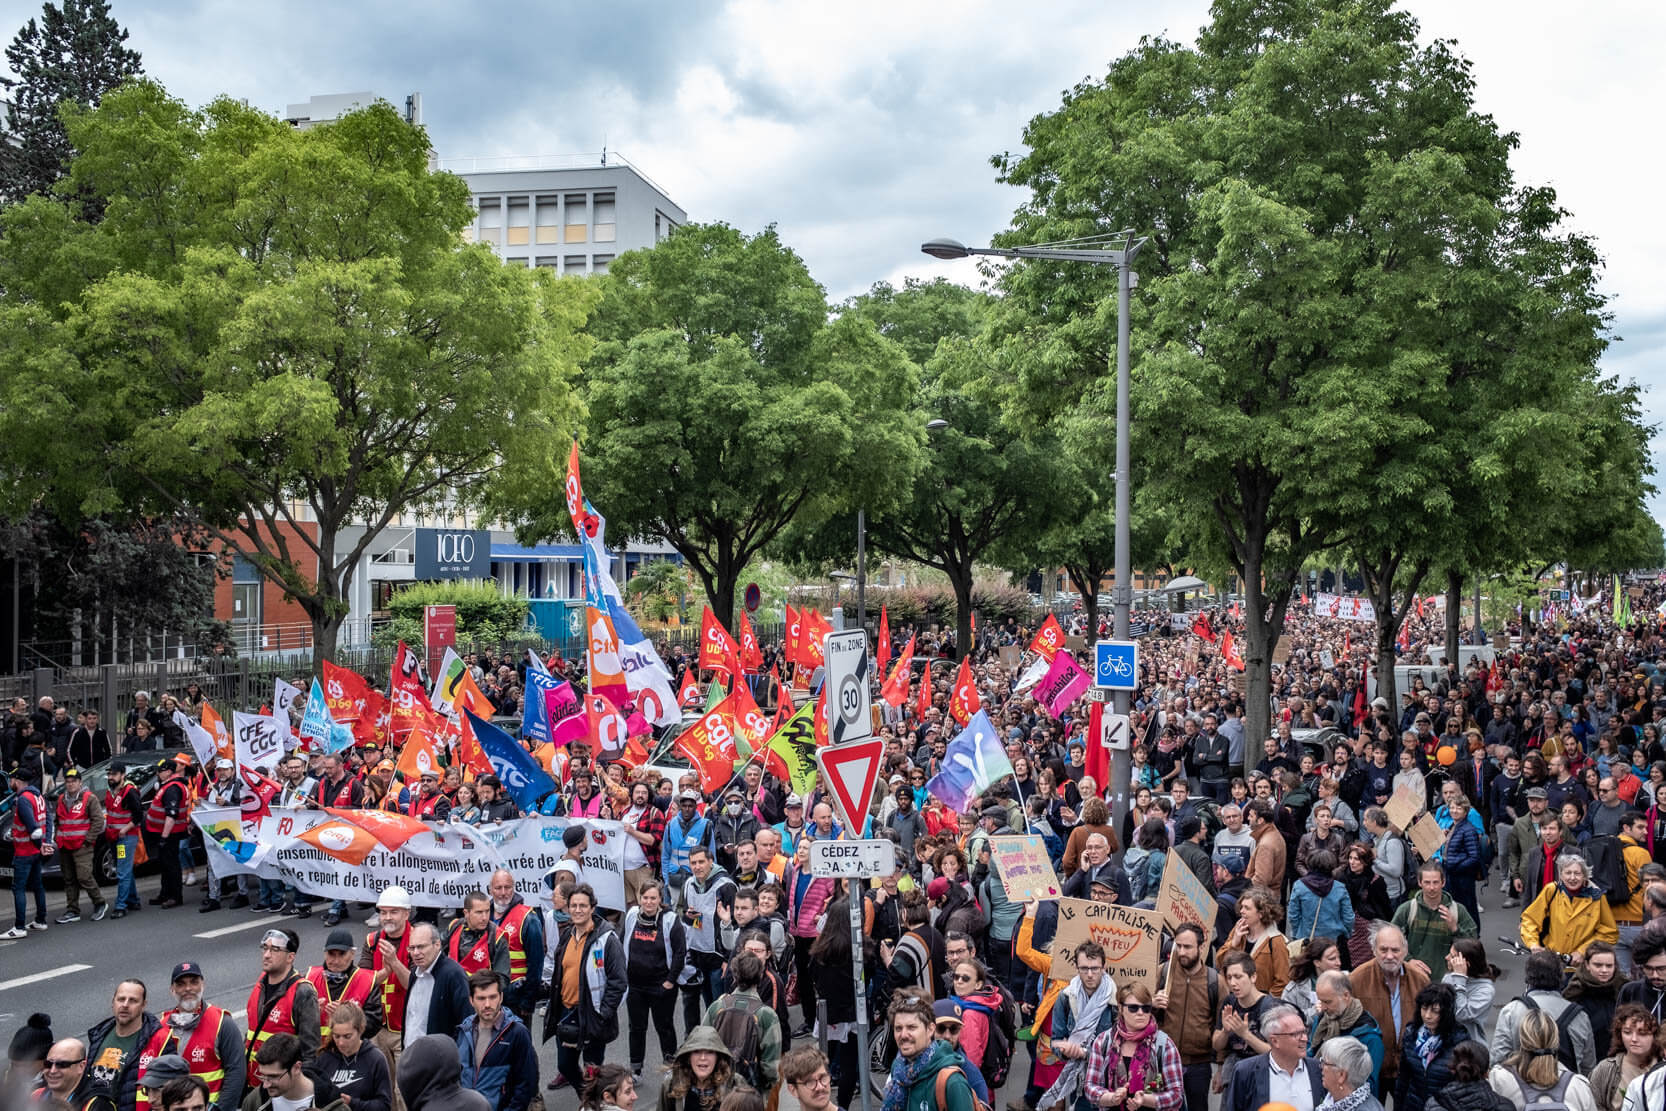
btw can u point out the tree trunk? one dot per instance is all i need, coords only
(1454, 606)
(1086, 580)
(960, 577)
(1386, 633)
(1263, 618)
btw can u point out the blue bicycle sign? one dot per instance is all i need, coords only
(1116, 664)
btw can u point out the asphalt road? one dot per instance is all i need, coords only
(70, 971)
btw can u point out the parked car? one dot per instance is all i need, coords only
(143, 771)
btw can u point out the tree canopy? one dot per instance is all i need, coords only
(278, 332)
(724, 404)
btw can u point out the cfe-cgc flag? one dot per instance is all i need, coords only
(525, 781)
(1063, 684)
(974, 761)
(259, 740)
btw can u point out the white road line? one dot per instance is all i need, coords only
(49, 974)
(241, 926)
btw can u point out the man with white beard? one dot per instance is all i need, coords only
(204, 1035)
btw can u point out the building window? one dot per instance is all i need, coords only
(576, 264)
(549, 219)
(520, 222)
(491, 222)
(606, 229)
(548, 262)
(578, 218)
(598, 265)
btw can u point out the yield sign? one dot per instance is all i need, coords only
(849, 772)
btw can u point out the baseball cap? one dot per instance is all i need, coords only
(184, 969)
(159, 1071)
(25, 773)
(689, 795)
(72, 772)
(222, 762)
(947, 1010)
(1232, 862)
(793, 800)
(387, 766)
(1537, 793)
(340, 940)
(1380, 702)
(897, 781)
(937, 888)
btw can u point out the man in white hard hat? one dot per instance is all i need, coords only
(387, 954)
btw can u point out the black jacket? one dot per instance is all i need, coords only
(1416, 1082)
(598, 1018)
(449, 1004)
(124, 1087)
(1250, 1083)
(431, 1076)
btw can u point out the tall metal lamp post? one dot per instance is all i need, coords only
(1116, 250)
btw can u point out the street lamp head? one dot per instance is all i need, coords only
(936, 425)
(945, 248)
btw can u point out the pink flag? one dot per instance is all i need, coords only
(1063, 684)
(566, 715)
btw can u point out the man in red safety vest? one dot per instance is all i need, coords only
(282, 1001)
(339, 980)
(203, 1035)
(80, 825)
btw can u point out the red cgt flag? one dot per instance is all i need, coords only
(816, 627)
(1202, 628)
(718, 650)
(790, 638)
(345, 694)
(882, 651)
(1048, 639)
(751, 656)
(1229, 651)
(895, 688)
(964, 702)
(925, 699)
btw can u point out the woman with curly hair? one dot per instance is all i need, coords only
(1635, 1053)
(1426, 1048)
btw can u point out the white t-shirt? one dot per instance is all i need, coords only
(281, 1104)
(634, 856)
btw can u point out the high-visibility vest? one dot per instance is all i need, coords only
(476, 956)
(424, 807)
(343, 795)
(199, 1051)
(118, 813)
(393, 996)
(22, 843)
(75, 820)
(278, 1019)
(511, 931)
(360, 983)
(156, 817)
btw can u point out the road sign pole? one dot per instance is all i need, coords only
(860, 980)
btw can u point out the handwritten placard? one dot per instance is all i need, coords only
(1010, 655)
(1281, 649)
(1075, 644)
(1132, 940)
(1403, 808)
(1427, 837)
(1025, 870)
(1183, 898)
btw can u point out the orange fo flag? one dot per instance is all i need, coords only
(344, 841)
(420, 755)
(389, 828)
(895, 688)
(882, 650)
(225, 748)
(964, 702)
(1048, 639)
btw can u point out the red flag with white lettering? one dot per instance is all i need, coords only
(964, 702)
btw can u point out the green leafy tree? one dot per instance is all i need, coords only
(279, 332)
(725, 406)
(1316, 187)
(72, 56)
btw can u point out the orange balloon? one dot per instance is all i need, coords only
(1276, 1107)
(1446, 754)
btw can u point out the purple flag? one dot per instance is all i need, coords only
(565, 714)
(1063, 684)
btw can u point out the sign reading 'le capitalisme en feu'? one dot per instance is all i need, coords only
(1131, 940)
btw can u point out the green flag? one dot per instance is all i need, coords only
(795, 745)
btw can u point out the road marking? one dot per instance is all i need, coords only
(49, 974)
(241, 926)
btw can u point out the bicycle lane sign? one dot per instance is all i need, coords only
(1116, 664)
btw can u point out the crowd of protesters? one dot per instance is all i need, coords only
(1343, 970)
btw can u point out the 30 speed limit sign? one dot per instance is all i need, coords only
(848, 697)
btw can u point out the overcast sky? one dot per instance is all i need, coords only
(863, 128)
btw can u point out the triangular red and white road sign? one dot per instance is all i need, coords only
(849, 772)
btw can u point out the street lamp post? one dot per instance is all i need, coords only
(1119, 251)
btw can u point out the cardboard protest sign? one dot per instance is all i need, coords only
(1075, 644)
(1426, 836)
(1403, 808)
(1010, 655)
(1024, 868)
(1281, 649)
(1182, 898)
(1131, 938)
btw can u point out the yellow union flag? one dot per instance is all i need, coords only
(793, 747)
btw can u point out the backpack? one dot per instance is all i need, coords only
(1003, 1033)
(1211, 978)
(737, 1025)
(940, 1090)
(1564, 1039)
(1608, 869)
(1543, 1099)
